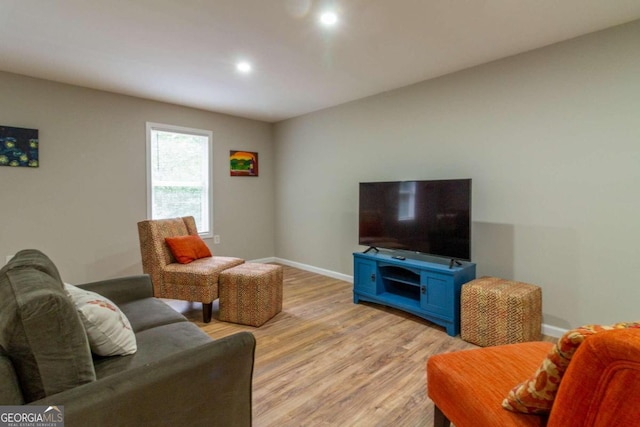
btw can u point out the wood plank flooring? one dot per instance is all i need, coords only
(325, 361)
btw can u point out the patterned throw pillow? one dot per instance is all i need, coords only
(536, 395)
(108, 329)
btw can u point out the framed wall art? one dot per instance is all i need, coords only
(18, 147)
(243, 163)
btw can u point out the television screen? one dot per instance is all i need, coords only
(431, 217)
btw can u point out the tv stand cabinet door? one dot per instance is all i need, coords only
(437, 294)
(365, 276)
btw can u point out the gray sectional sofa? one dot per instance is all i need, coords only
(177, 376)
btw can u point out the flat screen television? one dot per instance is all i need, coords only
(429, 217)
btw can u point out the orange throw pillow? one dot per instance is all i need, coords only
(186, 249)
(536, 395)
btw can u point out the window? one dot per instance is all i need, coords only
(407, 203)
(179, 171)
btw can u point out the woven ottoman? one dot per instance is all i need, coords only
(250, 294)
(496, 311)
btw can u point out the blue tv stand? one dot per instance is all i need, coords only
(425, 288)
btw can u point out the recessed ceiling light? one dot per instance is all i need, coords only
(243, 67)
(328, 19)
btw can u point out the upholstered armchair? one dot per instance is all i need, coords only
(196, 281)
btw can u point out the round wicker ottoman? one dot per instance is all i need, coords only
(250, 293)
(496, 311)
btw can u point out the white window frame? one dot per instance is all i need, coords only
(151, 126)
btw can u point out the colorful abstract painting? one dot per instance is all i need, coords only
(18, 147)
(244, 163)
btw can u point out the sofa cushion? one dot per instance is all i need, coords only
(40, 329)
(149, 313)
(537, 393)
(10, 393)
(108, 329)
(154, 344)
(186, 249)
(469, 385)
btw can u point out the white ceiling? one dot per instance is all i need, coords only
(184, 51)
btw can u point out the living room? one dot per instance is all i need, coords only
(549, 137)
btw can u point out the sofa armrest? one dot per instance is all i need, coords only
(601, 386)
(206, 385)
(122, 289)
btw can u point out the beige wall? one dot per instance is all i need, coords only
(82, 204)
(551, 139)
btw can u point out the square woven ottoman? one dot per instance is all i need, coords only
(496, 311)
(250, 293)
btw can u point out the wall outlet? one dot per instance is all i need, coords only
(7, 259)
(216, 239)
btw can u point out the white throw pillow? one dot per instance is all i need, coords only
(108, 329)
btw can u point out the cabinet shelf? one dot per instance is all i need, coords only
(425, 289)
(403, 289)
(400, 301)
(401, 275)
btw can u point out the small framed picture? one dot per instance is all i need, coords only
(18, 147)
(243, 163)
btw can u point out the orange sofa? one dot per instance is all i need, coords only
(601, 387)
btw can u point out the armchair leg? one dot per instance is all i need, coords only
(440, 419)
(207, 308)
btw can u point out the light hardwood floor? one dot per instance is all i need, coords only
(325, 361)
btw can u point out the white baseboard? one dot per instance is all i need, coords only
(548, 330)
(552, 331)
(264, 260)
(313, 269)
